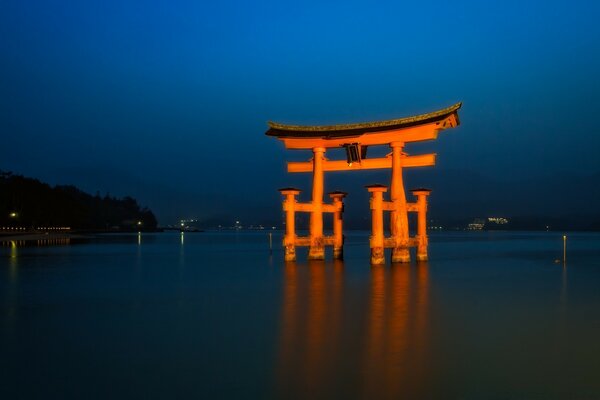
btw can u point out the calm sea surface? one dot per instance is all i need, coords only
(214, 315)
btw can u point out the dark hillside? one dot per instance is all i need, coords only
(27, 202)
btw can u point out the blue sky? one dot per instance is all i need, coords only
(148, 98)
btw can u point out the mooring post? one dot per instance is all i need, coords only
(399, 216)
(317, 246)
(422, 240)
(289, 206)
(564, 249)
(376, 242)
(338, 235)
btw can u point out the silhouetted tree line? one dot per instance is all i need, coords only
(29, 203)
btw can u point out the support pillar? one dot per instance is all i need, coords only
(338, 235)
(399, 216)
(377, 238)
(422, 240)
(289, 206)
(317, 247)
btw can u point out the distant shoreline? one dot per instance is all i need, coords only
(31, 236)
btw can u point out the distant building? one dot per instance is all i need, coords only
(479, 224)
(476, 225)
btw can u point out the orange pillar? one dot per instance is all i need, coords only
(422, 240)
(317, 248)
(289, 206)
(399, 216)
(377, 249)
(338, 235)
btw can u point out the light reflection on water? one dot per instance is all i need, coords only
(397, 334)
(11, 290)
(387, 340)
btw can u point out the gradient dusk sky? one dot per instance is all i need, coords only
(168, 101)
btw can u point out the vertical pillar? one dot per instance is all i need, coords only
(377, 245)
(338, 235)
(399, 216)
(317, 248)
(422, 240)
(289, 206)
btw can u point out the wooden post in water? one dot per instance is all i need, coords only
(338, 236)
(399, 215)
(317, 246)
(564, 249)
(289, 206)
(377, 238)
(422, 240)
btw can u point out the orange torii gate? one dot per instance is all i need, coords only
(356, 138)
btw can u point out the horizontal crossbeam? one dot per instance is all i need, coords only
(308, 207)
(302, 241)
(389, 206)
(424, 160)
(390, 242)
(385, 137)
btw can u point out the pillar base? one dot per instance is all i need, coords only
(422, 248)
(400, 255)
(317, 249)
(316, 254)
(338, 253)
(290, 253)
(377, 256)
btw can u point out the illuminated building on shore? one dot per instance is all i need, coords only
(476, 225)
(498, 220)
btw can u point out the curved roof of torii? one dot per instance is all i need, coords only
(332, 131)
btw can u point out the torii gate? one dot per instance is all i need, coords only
(356, 138)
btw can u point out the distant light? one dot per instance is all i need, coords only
(139, 222)
(13, 214)
(182, 224)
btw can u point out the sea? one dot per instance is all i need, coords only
(220, 315)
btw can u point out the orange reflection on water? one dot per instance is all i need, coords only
(397, 333)
(311, 324)
(371, 344)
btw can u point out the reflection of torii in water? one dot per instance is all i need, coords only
(356, 138)
(371, 343)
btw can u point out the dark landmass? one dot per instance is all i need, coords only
(31, 204)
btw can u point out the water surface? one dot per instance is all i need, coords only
(215, 315)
